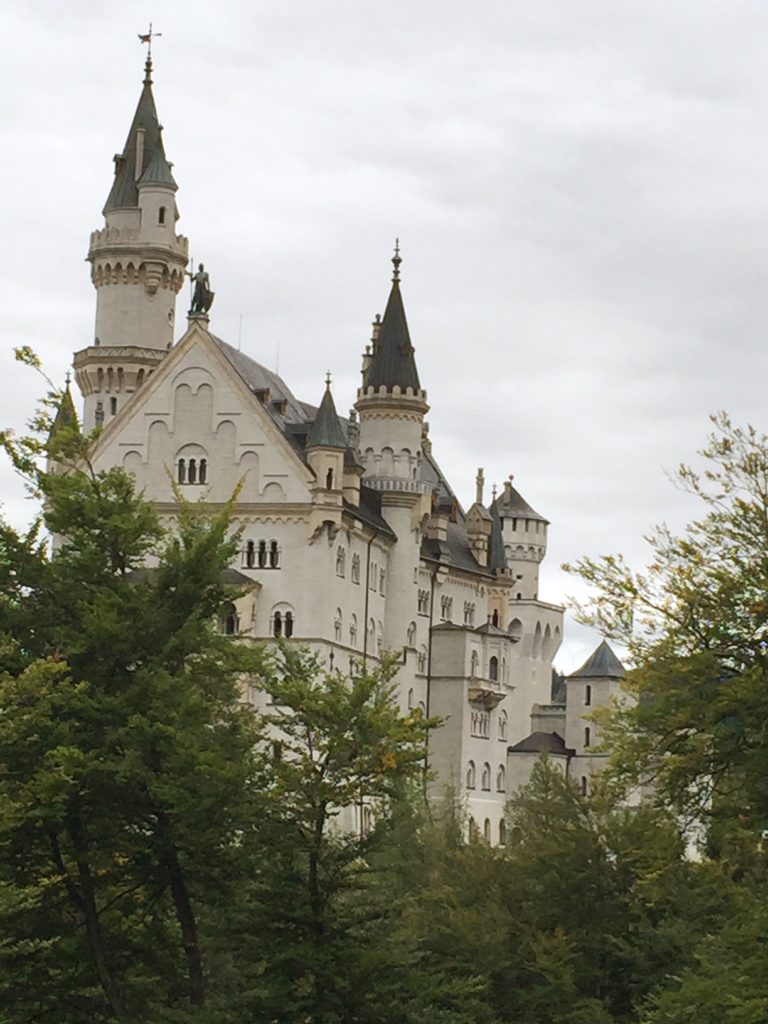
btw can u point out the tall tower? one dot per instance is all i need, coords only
(392, 406)
(137, 268)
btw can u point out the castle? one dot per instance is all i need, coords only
(353, 542)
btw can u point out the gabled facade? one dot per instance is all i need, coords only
(353, 542)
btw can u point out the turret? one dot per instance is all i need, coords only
(325, 450)
(524, 536)
(137, 268)
(592, 686)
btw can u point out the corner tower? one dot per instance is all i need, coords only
(137, 268)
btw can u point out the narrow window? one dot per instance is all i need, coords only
(501, 781)
(487, 830)
(471, 775)
(112, 406)
(329, 480)
(161, 215)
(495, 619)
(588, 695)
(192, 472)
(203, 474)
(502, 833)
(289, 624)
(274, 560)
(382, 580)
(277, 624)
(250, 555)
(340, 561)
(262, 554)
(493, 669)
(486, 777)
(587, 736)
(355, 568)
(584, 786)
(139, 378)
(182, 472)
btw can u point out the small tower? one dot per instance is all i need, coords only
(524, 534)
(137, 268)
(325, 449)
(392, 405)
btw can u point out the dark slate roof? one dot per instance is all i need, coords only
(497, 561)
(514, 504)
(158, 171)
(601, 664)
(66, 416)
(369, 511)
(326, 431)
(124, 192)
(542, 743)
(393, 359)
(258, 377)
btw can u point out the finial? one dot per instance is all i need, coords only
(67, 379)
(328, 380)
(396, 261)
(147, 37)
(479, 482)
(493, 492)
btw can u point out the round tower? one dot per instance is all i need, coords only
(137, 268)
(392, 404)
(524, 534)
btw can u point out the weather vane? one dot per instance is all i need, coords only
(147, 37)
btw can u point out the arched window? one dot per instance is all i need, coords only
(277, 624)
(410, 699)
(192, 472)
(161, 215)
(262, 554)
(379, 638)
(371, 639)
(112, 406)
(423, 605)
(410, 637)
(329, 480)
(274, 555)
(473, 831)
(337, 624)
(485, 780)
(353, 631)
(584, 786)
(495, 618)
(422, 662)
(493, 669)
(340, 561)
(139, 379)
(382, 581)
(250, 555)
(355, 568)
(181, 472)
(501, 780)
(228, 622)
(587, 736)
(588, 695)
(515, 630)
(503, 720)
(203, 473)
(474, 664)
(487, 830)
(289, 623)
(471, 775)
(502, 833)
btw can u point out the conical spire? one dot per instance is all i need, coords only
(66, 416)
(158, 171)
(326, 431)
(497, 560)
(143, 144)
(393, 361)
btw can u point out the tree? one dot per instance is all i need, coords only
(696, 625)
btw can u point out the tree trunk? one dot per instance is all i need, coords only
(84, 899)
(185, 914)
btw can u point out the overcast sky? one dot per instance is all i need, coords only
(579, 187)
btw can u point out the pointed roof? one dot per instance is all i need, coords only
(497, 560)
(66, 416)
(511, 503)
(601, 664)
(541, 743)
(393, 362)
(124, 191)
(326, 431)
(158, 171)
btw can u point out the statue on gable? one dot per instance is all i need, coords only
(202, 296)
